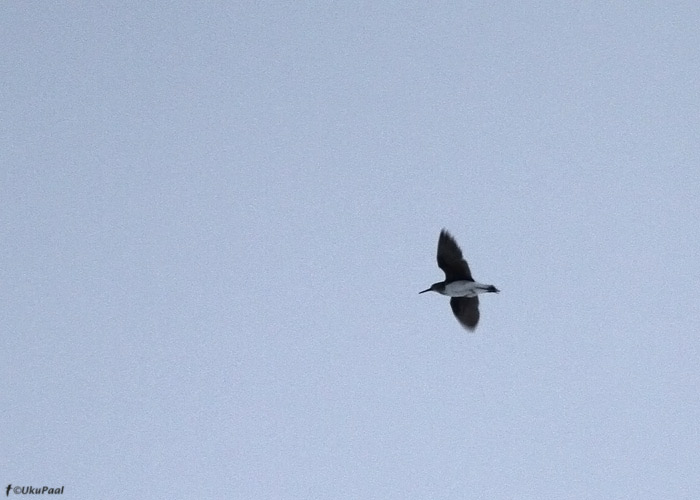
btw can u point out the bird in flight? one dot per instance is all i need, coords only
(458, 283)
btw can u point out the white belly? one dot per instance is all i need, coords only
(464, 289)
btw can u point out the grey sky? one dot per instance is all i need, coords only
(216, 220)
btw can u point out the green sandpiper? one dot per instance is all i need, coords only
(458, 283)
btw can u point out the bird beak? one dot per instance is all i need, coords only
(429, 289)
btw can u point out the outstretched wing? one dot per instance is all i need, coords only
(450, 260)
(466, 310)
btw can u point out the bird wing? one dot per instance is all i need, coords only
(466, 310)
(450, 260)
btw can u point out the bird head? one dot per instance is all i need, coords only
(433, 288)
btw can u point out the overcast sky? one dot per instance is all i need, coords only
(215, 219)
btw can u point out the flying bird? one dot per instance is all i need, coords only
(458, 283)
